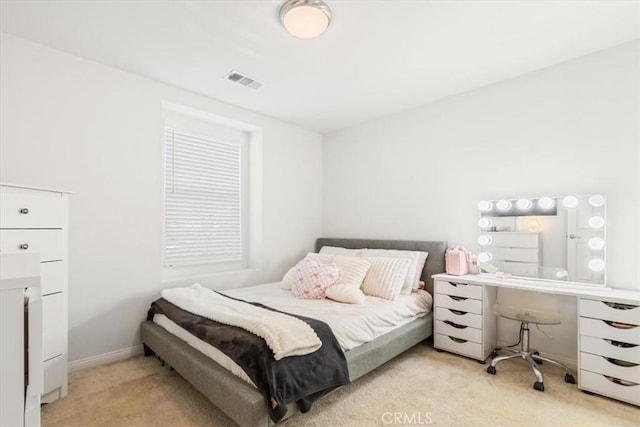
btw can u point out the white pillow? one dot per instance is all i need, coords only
(385, 277)
(333, 250)
(346, 293)
(416, 263)
(287, 280)
(353, 269)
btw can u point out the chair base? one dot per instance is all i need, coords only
(530, 355)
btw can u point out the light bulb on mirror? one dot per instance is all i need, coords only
(524, 204)
(596, 243)
(596, 222)
(546, 203)
(596, 265)
(485, 206)
(570, 201)
(485, 222)
(596, 200)
(485, 257)
(484, 240)
(503, 205)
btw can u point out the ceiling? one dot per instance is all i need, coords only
(377, 57)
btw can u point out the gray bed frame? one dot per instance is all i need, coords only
(245, 404)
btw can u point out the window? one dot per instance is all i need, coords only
(206, 195)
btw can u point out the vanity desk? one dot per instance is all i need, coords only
(608, 331)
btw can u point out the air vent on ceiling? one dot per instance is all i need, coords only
(243, 80)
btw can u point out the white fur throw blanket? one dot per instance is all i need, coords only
(285, 335)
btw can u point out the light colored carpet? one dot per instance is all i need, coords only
(421, 387)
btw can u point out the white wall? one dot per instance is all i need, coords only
(568, 129)
(77, 125)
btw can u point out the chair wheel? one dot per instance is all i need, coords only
(538, 386)
(568, 378)
(539, 362)
(494, 354)
(491, 370)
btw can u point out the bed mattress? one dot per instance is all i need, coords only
(352, 324)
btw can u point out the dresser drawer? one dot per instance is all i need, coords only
(600, 384)
(53, 277)
(455, 345)
(459, 289)
(55, 374)
(607, 329)
(459, 303)
(601, 310)
(607, 366)
(459, 317)
(54, 325)
(458, 331)
(50, 244)
(21, 209)
(602, 347)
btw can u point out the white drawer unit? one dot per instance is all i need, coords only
(464, 323)
(609, 345)
(34, 220)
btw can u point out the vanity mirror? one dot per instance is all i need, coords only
(547, 238)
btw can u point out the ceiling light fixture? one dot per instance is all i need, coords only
(305, 19)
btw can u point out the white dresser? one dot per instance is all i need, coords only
(35, 220)
(464, 322)
(609, 348)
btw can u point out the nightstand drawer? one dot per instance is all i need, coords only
(602, 310)
(458, 331)
(612, 330)
(54, 277)
(459, 289)
(20, 209)
(600, 384)
(603, 347)
(459, 317)
(459, 303)
(459, 346)
(611, 367)
(50, 244)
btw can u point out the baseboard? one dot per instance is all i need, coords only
(103, 359)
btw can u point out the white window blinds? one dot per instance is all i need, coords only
(203, 219)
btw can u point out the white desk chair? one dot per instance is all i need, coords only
(527, 308)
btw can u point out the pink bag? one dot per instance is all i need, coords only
(456, 261)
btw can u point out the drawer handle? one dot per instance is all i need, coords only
(619, 306)
(619, 325)
(620, 344)
(457, 312)
(457, 284)
(620, 382)
(458, 340)
(457, 298)
(619, 362)
(455, 325)
(24, 246)
(24, 211)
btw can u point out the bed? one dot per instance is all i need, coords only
(241, 401)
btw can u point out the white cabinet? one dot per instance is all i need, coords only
(464, 323)
(609, 348)
(20, 340)
(35, 221)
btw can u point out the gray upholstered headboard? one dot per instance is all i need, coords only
(435, 260)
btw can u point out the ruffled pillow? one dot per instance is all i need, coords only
(311, 278)
(287, 280)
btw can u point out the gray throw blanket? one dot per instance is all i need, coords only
(300, 379)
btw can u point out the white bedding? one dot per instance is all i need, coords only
(352, 324)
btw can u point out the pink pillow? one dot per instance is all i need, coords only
(312, 278)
